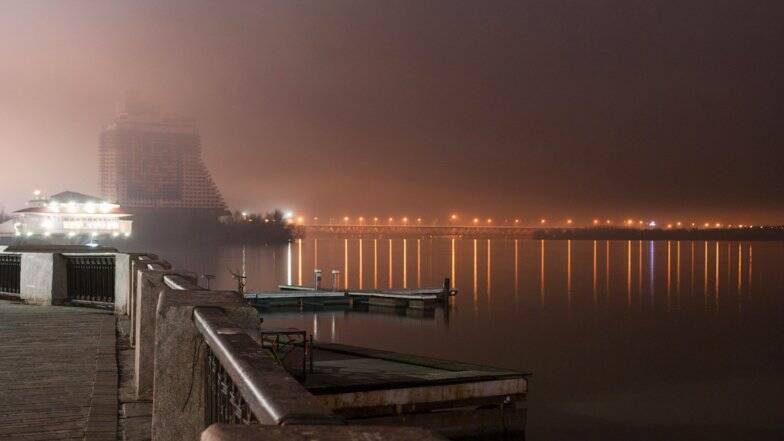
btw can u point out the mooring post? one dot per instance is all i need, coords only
(335, 280)
(317, 279)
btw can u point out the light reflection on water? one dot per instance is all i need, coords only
(594, 320)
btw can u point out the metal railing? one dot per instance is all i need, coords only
(223, 402)
(90, 278)
(10, 273)
(244, 385)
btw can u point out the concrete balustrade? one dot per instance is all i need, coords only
(44, 279)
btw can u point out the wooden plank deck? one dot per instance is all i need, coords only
(58, 373)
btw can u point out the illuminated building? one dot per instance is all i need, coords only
(69, 214)
(151, 161)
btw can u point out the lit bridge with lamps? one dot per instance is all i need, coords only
(428, 230)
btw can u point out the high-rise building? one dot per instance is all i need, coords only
(152, 161)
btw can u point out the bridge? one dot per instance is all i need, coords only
(426, 230)
(770, 232)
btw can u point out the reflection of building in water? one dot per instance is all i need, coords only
(151, 161)
(69, 215)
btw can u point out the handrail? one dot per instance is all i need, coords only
(271, 394)
(181, 283)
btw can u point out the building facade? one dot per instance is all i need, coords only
(151, 161)
(71, 215)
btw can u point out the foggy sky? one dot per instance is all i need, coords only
(331, 108)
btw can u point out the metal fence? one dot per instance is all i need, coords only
(223, 402)
(90, 278)
(10, 273)
(243, 384)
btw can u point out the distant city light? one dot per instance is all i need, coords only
(476, 220)
(596, 221)
(517, 221)
(569, 221)
(489, 221)
(652, 223)
(453, 217)
(288, 215)
(542, 221)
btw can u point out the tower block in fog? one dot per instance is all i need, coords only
(153, 162)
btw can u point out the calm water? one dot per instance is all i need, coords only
(625, 339)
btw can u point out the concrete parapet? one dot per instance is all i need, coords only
(149, 285)
(178, 404)
(140, 262)
(233, 432)
(43, 279)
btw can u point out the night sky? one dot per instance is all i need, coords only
(654, 109)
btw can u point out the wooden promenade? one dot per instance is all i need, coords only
(58, 373)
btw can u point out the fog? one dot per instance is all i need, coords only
(332, 108)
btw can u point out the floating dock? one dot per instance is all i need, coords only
(303, 296)
(458, 400)
(298, 298)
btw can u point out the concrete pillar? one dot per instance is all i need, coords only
(149, 286)
(43, 279)
(122, 283)
(178, 404)
(137, 265)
